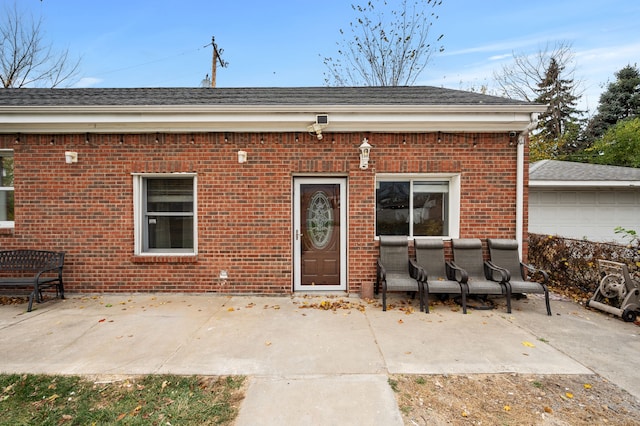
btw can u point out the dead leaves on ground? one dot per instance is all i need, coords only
(332, 305)
(513, 399)
(13, 300)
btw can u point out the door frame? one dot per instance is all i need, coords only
(297, 227)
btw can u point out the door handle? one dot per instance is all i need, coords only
(298, 234)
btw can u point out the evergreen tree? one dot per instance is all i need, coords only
(557, 125)
(620, 101)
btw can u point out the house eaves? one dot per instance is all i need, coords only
(181, 118)
(583, 184)
(402, 109)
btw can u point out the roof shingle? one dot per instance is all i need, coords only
(409, 96)
(554, 170)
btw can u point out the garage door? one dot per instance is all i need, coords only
(591, 214)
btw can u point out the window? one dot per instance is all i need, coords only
(417, 206)
(6, 189)
(165, 210)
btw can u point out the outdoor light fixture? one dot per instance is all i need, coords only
(365, 149)
(242, 157)
(322, 121)
(70, 157)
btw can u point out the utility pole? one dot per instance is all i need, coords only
(216, 59)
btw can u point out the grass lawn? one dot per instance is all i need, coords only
(27, 399)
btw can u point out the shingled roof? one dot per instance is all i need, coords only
(410, 95)
(282, 109)
(562, 173)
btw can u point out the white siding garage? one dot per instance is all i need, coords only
(579, 201)
(586, 213)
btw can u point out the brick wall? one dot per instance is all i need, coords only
(244, 210)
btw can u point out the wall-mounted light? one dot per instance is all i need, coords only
(513, 137)
(70, 157)
(365, 150)
(242, 157)
(322, 121)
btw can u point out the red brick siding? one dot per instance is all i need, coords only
(244, 210)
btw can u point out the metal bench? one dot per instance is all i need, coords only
(32, 268)
(618, 293)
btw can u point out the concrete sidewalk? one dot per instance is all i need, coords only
(323, 366)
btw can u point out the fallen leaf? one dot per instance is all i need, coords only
(506, 408)
(548, 410)
(121, 416)
(528, 344)
(102, 320)
(569, 395)
(400, 321)
(267, 343)
(231, 309)
(464, 414)
(587, 386)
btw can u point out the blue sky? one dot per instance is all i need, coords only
(151, 43)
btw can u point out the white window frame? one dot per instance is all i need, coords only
(7, 223)
(139, 212)
(454, 180)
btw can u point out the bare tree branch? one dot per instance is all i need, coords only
(383, 50)
(26, 60)
(520, 78)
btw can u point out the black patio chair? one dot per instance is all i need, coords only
(395, 271)
(438, 275)
(483, 279)
(504, 254)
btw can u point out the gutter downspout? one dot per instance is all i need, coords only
(533, 123)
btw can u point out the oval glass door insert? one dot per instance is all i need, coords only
(320, 220)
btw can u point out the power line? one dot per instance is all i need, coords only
(150, 62)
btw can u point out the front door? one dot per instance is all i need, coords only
(319, 234)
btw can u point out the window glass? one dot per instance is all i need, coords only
(430, 207)
(170, 195)
(392, 208)
(412, 207)
(6, 189)
(168, 217)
